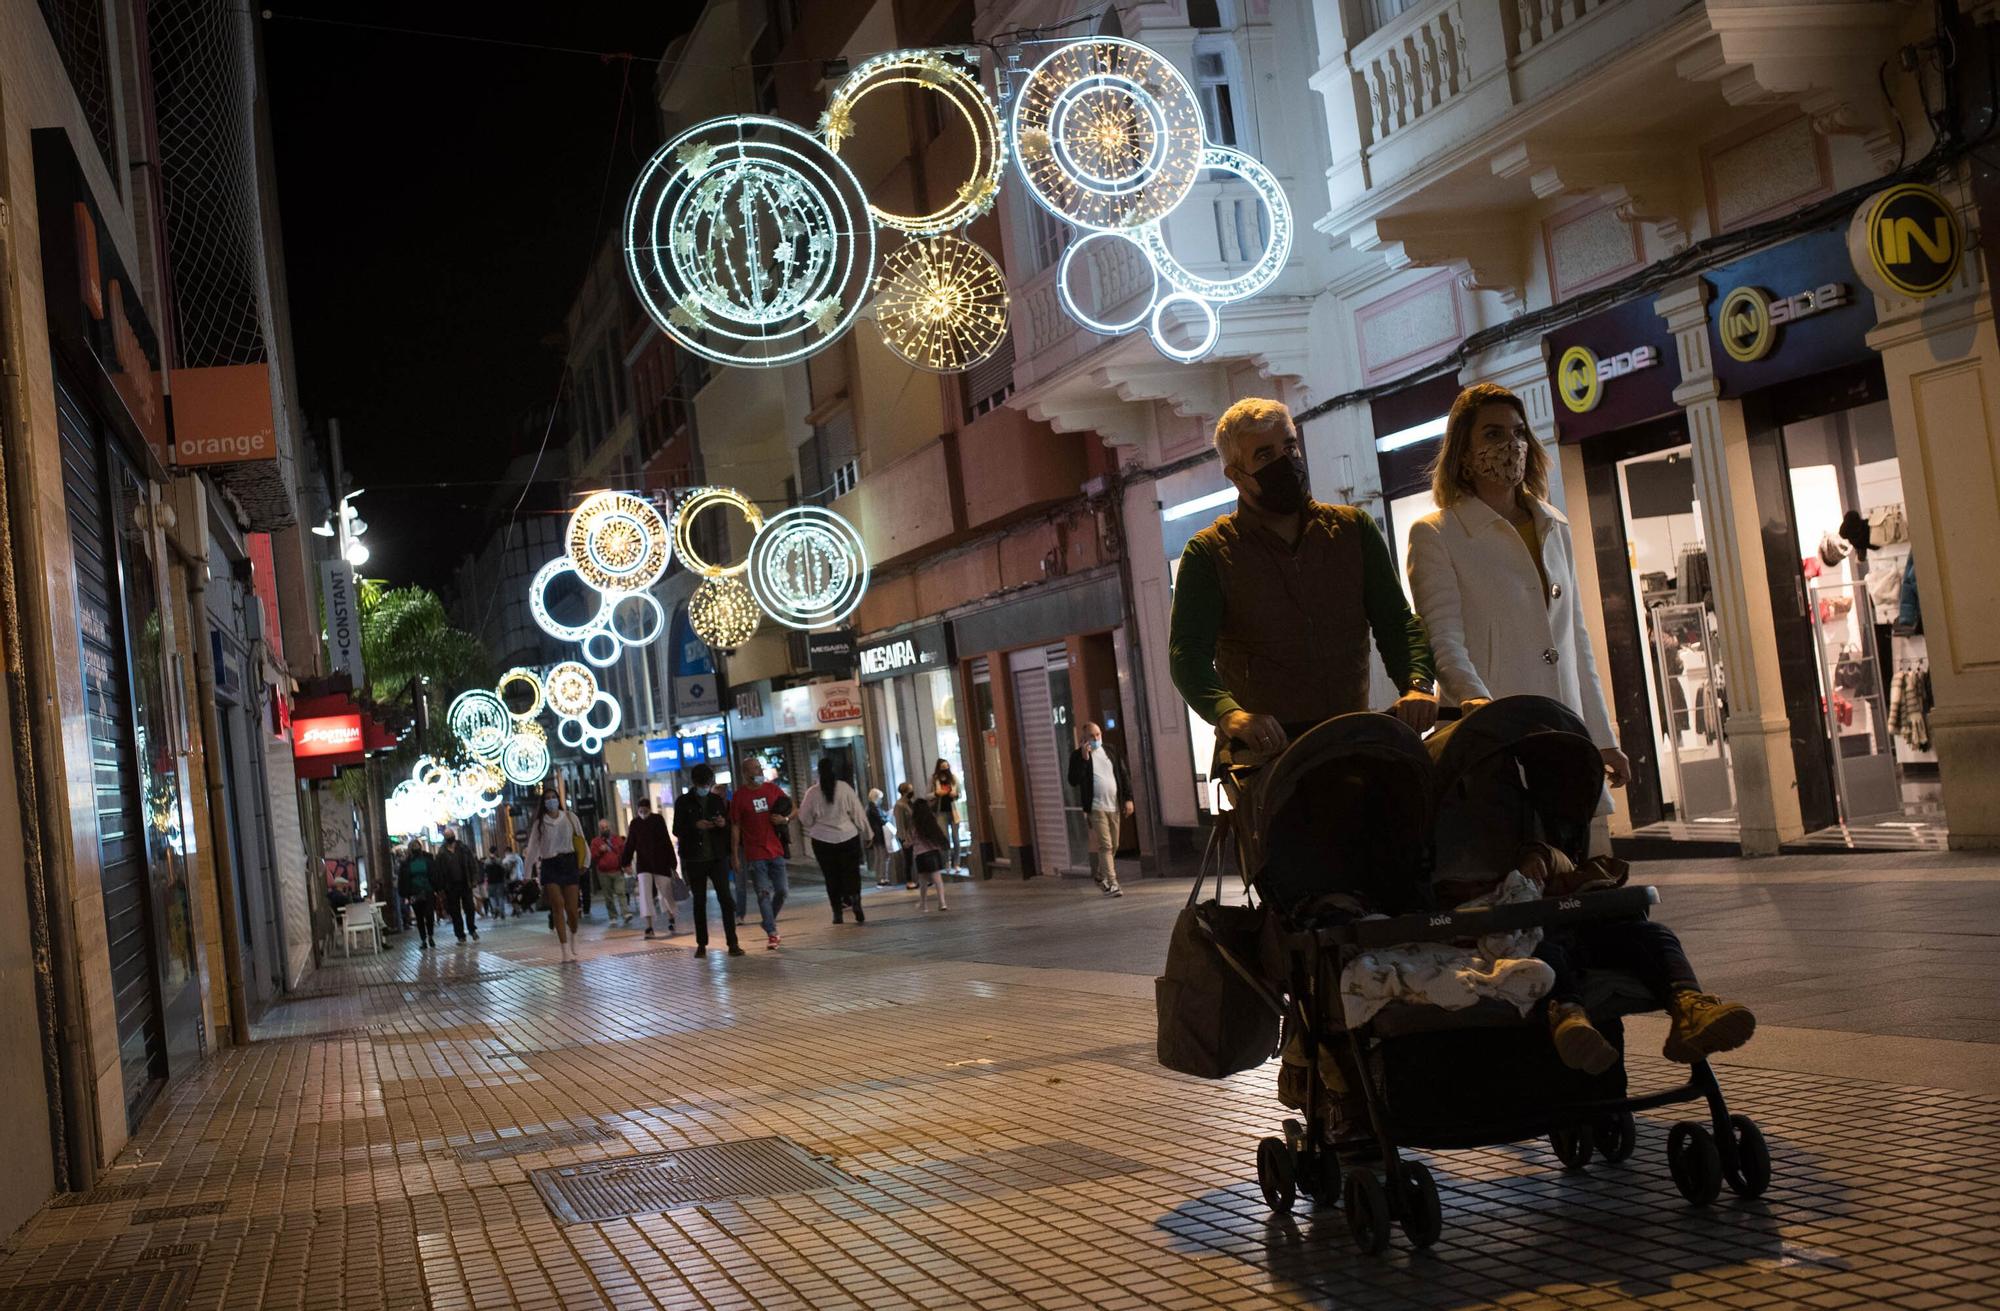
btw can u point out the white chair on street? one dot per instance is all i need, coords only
(368, 925)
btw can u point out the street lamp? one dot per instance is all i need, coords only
(349, 530)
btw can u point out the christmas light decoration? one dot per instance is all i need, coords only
(1108, 134)
(479, 720)
(941, 304)
(518, 677)
(723, 613)
(749, 241)
(618, 542)
(525, 759)
(808, 567)
(704, 498)
(538, 603)
(943, 73)
(571, 688)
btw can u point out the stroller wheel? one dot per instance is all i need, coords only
(1695, 1162)
(1572, 1147)
(1276, 1175)
(1423, 1217)
(1616, 1136)
(1367, 1212)
(1750, 1174)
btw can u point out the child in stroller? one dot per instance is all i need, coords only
(1343, 836)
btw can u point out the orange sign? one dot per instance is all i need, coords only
(328, 735)
(222, 415)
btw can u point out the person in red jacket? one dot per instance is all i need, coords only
(607, 863)
(650, 849)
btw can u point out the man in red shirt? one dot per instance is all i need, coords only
(755, 851)
(607, 861)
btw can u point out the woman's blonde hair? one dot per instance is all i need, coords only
(1450, 483)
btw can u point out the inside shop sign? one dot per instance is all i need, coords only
(1750, 317)
(1580, 375)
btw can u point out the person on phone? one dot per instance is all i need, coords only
(1274, 602)
(1104, 787)
(701, 825)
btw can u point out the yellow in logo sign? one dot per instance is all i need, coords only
(1576, 379)
(1746, 324)
(1894, 236)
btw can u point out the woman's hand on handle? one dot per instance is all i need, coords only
(1617, 769)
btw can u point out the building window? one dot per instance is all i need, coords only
(1048, 235)
(990, 382)
(1218, 103)
(1205, 15)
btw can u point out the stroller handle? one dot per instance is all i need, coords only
(1512, 917)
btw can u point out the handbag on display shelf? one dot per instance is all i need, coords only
(1847, 671)
(1887, 526)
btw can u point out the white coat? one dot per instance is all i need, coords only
(1493, 631)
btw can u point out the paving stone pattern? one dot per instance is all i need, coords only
(1009, 1139)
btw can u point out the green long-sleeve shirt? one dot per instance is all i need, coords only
(1199, 611)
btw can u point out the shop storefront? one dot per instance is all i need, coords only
(789, 725)
(908, 683)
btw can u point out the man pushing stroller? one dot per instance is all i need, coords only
(1273, 608)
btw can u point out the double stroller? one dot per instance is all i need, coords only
(1344, 838)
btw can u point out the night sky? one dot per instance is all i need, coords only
(441, 202)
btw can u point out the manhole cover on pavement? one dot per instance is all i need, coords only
(102, 1195)
(152, 1290)
(661, 1181)
(494, 1149)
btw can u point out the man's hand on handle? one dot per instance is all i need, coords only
(1260, 733)
(1417, 709)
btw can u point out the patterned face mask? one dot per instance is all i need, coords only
(1505, 462)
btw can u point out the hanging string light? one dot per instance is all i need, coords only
(479, 720)
(808, 567)
(692, 505)
(942, 73)
(723, 613)
(941, 304)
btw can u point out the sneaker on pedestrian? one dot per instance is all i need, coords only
(859, 918)
(1115, 891)
(735, 950)
(649, 933)
(771, 943)
(1704, 1024)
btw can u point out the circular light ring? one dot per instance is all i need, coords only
(749, 242)
(808, 567)
(618, 542)
(571, 688)
(534, 684)
(591, 744)
(1104, 327)
(525, 759)
(479, 719)
(928, 70)
(651, 633)
(538, 602)
(701, 499)
(602, 648)
(723, 613)
(571, 730)
(1108, 134)
(1224, 291)
(1185, 354)
(941, 304)
(613, 719)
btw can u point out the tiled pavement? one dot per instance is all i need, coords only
(986, 1078)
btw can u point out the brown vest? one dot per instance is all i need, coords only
(1294, 638)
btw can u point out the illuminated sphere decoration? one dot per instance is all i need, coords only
(749, 241)
(479, 720)
(518, 677)
(525, 759)
(618, 542)
(723, 613)
(1108, 134)
(571, 688)
(706, 498)
(808, 567)
(943, 73)
(941, 304)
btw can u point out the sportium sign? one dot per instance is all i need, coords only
(1906, 241)
(326, 735)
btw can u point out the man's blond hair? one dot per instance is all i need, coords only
(1248, 417)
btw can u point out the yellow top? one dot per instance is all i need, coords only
(1532, 539)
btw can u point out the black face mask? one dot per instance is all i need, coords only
(1281, 484)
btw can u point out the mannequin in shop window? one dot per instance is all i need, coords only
(1493, 572)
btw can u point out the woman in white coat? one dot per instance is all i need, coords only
(1493, 572)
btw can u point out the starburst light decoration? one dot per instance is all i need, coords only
(808, 567)
(480, 722)
(1108, 133)
(749, 241)
(723, 613)
(705, 498)
(943, 73)
(525, 759)
(941, 304)
(618, 542)
(571, 688)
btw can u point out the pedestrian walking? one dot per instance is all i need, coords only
(494, 872)
(944, 797)
(607, 863)
(650, 850)
(551, 857)
(517, 874)
(757, 853)
(833, 819)
(417, 880)
(701, 825)
(878, 832)
(926, 845)
(458, 875)
(906, 796)
(1104, 789)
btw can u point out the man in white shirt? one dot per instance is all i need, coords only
(1105, 788)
